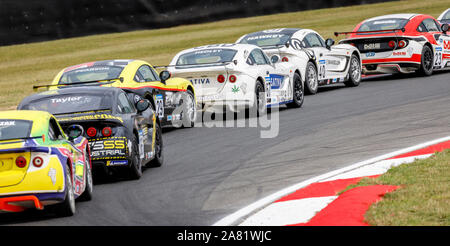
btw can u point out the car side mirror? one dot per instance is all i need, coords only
(74, 131)
(164, 75)
(142, 105)
(445, 28)
(274, 59)
(329, 42)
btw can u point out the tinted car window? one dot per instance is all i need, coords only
(92, 73)
(258, 57)
(124, 105)
(431, 25)
(145, 74)
(64, 104)
(14, 129)
(312, 40)
(383, 24)
(206, 56)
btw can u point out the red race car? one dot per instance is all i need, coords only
(401, 43)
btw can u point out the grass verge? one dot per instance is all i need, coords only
(422, 200)
(22, 66)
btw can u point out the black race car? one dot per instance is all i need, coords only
(122, 129)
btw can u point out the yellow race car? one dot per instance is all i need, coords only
(40, 165)
(172, 98)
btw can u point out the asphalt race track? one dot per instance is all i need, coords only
(210, 173)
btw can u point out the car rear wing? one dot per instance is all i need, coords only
(97, 82)
(369, 32)
(197, 65)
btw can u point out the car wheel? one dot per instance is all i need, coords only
(159, 155)
(312, 82)
(426, 65)
(88, 191)
(136, 163)
(67, 208)
(189, 109)
(260, 99)
(354, 72)
(298, 92)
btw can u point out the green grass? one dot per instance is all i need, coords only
(423, 198)
(22, 66)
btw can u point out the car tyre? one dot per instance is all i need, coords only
(159, 155)
(67, 208)
(136, 163)
(88, 191)
(311, 79)
(427, 59)
(354, 72)
(298, 92)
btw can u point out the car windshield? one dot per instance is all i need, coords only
(90, 73)
(65, 104)
(263, 39)
(14, 129)
(206, 56)
(383, 24)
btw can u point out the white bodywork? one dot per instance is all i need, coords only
(276, 78)
(332, 63)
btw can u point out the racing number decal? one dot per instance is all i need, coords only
(322, 69)
(438, 57)
(159, 101)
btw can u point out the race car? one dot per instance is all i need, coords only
(318, 61)
(172, 98)
(237, 77)
(444, 17)
(40, 165)
(122, 129)
(401, 43)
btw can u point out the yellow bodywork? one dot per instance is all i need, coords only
(128, 73)
(30, 179)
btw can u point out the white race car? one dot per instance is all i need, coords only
(238, 76)
(318, 62)
(444, 17)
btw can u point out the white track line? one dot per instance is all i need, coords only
(233, 218)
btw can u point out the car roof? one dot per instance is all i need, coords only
(71, 90)
(288, 31)
(116, 62)
(393, 16)
(443, 13)
(220, 46)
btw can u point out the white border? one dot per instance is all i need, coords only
(231, 219)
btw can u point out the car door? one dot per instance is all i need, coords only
(261, 62)
(313, 42)
(441, 42)
(142, 124)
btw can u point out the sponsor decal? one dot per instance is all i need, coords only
(108, 148)
(399, 53)
(92, 117)
(117, 163)
(275, 80)
(7, 123)
(66, 99)
(235, 89)
(200, 81)
(159, 100)
(447, 45)
(372, 46)
(265, 36)
(52, 175)
(333, 62)
(370, 54)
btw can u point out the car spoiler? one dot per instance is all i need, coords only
(103, 82)
(377, 31)
(17, 140)
(197, 65)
